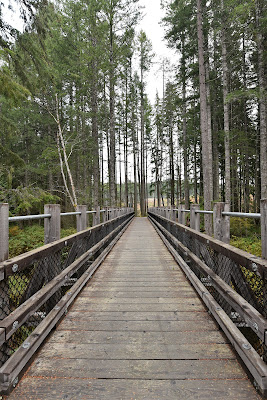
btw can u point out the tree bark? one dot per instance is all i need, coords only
(206, 140)
(262, 101)
(226, 118)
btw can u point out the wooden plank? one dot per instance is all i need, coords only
(161, 300)
(144, 337)
(139, 316)
(146, 289)
(134, 284)
(136, 351)
(160, 326)
(112, 389)
(137, 369)
(79, 306)
(131, 294)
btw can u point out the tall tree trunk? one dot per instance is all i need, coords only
(142, 155)
(262, 101)
(95, 138)
(172, 181)
(185, 144)
(206, 139)
(226, 118)
(215, 128)
(112, 161)
(125, 147)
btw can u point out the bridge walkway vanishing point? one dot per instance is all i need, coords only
(138, 330)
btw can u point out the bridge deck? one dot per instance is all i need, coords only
(137, 331)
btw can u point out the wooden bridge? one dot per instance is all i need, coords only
(138, 327)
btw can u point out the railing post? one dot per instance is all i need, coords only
(81, 220)
(97, 215)
(194, 217)
(181, 214)
(264, 228)
(4, 288)
(221, 223)
(173, 214)
(4, 231)
(52, 224)
(105, 215)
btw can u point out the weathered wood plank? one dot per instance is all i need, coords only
(153, 307)
(139, 316)
(160, 300)
(87, 336)
(156, 326)
(137, 369)
(151, 351)
(110, 389)
(118, 294)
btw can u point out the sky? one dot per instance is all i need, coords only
(155, 32)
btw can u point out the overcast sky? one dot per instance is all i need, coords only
(155, 32)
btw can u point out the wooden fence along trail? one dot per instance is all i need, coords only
(138, 330)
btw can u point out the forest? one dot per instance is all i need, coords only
(78, 127)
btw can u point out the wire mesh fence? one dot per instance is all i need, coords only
(26, 275)
(252, 286)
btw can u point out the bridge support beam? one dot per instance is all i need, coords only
(221, 223)
(264, 228)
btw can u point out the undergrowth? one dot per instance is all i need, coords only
(29, 238)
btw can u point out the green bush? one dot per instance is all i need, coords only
(29, 238)
(243, 227)
(251, 244)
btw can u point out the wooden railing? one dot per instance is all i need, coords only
(52, 221)
(221, 219)
(231, 282)
(36, 289)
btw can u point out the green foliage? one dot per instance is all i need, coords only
(28, 238)
(243, 227)
(251, 244)
(245, 235)
(29, 200)
(11, 89)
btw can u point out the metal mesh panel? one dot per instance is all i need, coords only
(21, 285)
(248, 284)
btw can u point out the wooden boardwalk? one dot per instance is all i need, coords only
(137, 331)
